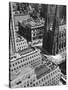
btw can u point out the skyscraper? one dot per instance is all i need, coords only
(51, 35)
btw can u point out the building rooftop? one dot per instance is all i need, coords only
(27, 50)
(44, 69)
(22, 72)
(25, 70)
(41, 71)
(33, 23)
(19, 38)
(24, 53)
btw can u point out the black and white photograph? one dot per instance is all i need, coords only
(37, 45)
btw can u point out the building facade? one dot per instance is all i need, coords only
(56, 32)
(33, 31)
(62, 38)
(21, 43)
(43, 75)
(29, 57)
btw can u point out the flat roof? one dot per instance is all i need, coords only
(21, 72)
(25, 70)
(45, 68)
(19, 38)
(33, 23)
(41, 71)
(24, 53)
(27, 50)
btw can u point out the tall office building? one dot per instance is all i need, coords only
(52, 32)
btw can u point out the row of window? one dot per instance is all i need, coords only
(26, 64)
(53, 73)
(22, 43)
(37, 30)
(51, 80)
(21, 47)
(49, 77)
(31, 82)
(34, 64)
(29, 58)
(42, 82)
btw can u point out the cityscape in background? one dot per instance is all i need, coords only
(37, 45)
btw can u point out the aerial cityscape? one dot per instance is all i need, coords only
(37, 45)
